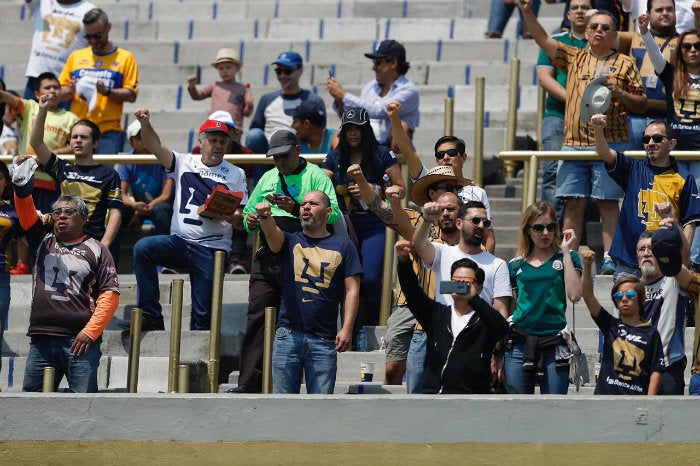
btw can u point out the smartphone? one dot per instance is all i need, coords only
(330, 73)
(449, 287)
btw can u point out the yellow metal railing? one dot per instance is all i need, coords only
(531, 161)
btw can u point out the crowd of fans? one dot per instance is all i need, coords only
(464, 321)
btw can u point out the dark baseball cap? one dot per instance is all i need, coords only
(388, 49)
(666, 245)
(356, 116)
(312, 111)
(282, 142)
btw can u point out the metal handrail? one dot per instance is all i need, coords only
(531, 161)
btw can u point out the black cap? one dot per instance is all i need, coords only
(666, 245)
(389, 49)
(356, 116)
(310, 110)
(282, 142)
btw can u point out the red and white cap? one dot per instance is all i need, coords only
(211, 126)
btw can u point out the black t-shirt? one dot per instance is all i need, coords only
(630, 355)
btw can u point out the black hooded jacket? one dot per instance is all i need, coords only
(461, 365)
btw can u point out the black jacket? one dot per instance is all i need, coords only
(464, 367)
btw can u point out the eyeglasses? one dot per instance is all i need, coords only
(687, 46)
(643, 249)
(463, 279)
(579, 7)
(96, 36)
(477, 220)
(442, 153)
(450, 188)
(285, 71)
(540, 227)
(69, 211)
(631, 294)
(604, 26)
(657, 138)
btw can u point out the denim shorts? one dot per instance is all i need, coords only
(587, 178)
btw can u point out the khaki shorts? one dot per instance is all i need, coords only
(399, 331)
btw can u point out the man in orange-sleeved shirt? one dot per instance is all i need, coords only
(76, 290)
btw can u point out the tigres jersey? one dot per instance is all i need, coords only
(581, 68)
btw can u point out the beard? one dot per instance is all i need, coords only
(647, 270)
(451, 228)
(473, 240)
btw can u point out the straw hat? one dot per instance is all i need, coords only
(419, 192)
(227, 55)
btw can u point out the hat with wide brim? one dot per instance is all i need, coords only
(227, 55)
(419, 191)
(595, 98)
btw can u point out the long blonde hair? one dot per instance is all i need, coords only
(525, 244)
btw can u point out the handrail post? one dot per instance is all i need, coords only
(449, 116)
(175, 335)
(531, 194)
(512, 113)
(269, 338)
(134, 350)
(479, 122)
(215, 332)
(183, 378)
(387, 273)
(541, 100)
(49, 375)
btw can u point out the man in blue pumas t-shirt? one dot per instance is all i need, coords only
(319, 272)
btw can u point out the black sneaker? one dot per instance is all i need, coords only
(241, 389)
(148, 324)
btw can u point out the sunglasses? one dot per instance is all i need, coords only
(450, 188)
(70, 211)
(285, 71)
(594, 26)
(579, 7)
(631, 294)
(540, 227)
(477, 220)
(686, 46)
(657, 138)
(282, 156)
(463, 279)
(451, 152)
(96, 36)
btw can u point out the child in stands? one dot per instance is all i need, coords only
(633, 357)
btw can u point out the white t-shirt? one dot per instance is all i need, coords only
(194, 182)
(459, 322)
(58, 31)
(497, 279)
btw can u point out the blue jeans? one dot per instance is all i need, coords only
(295, 350)
(500, 14)
(555, 382)
(552, 139)
(371, 238)
(694, 385)
(174, 252)
(4, 305)
(111, 142)
(256, 141)
(415, 362)
(45, 351)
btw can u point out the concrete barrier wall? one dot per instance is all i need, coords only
(344, 429)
